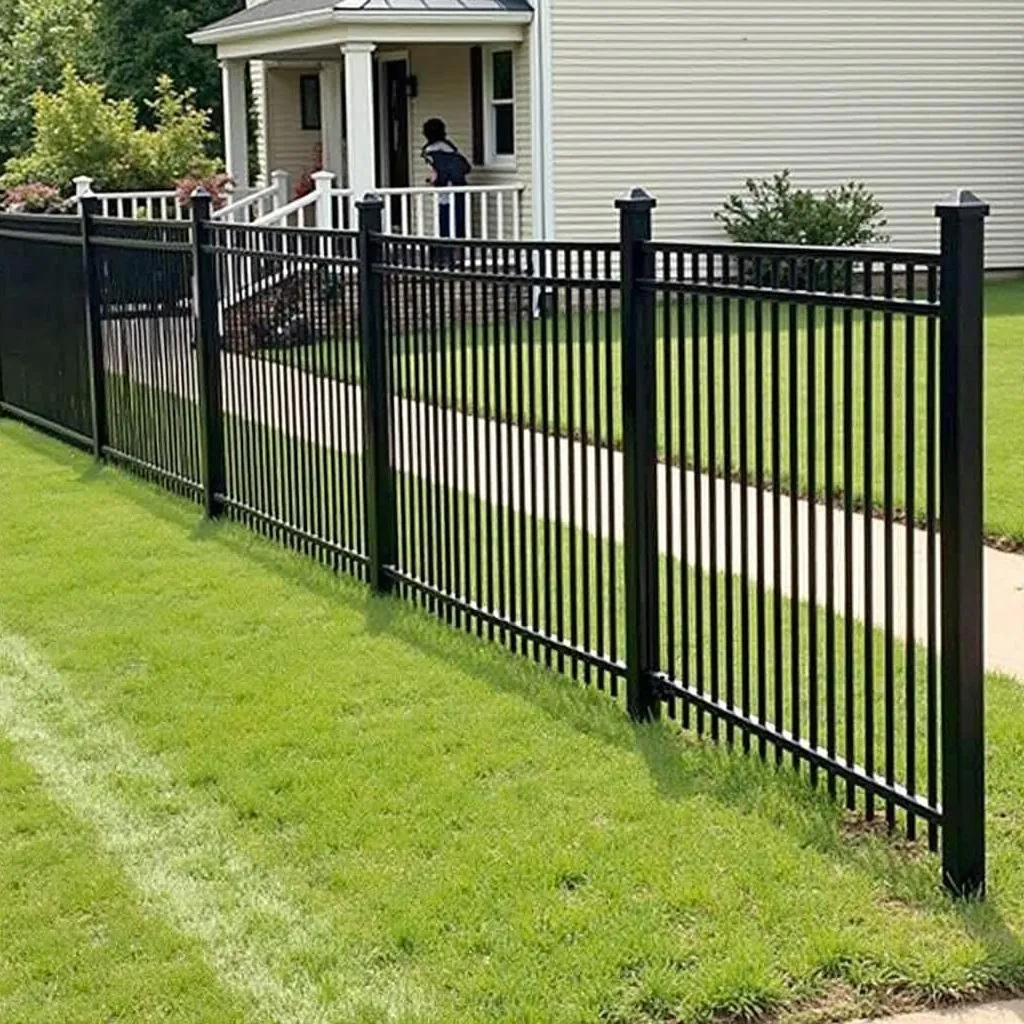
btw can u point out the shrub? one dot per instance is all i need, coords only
(177, 145)
(305, 184)
(773, 210)
(33, 198)
(79, 130)
(218, 185)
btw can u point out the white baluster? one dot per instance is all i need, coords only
(485, 216)
(500, 205)
(517, 216)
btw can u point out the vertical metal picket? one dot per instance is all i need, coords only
(961, 443)
(211, 407)
(89, 207)
(381, 517)
(639, 432)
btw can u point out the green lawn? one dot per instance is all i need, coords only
(491, 372)
(236, 787)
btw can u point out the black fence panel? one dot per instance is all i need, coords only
(740, 483)
(290, 371)
(143, 272)
(44, 355)
(797, 419)
(503, 362)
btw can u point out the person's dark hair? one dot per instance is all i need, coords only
(435, 130)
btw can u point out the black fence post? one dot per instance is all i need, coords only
(640, 454)
(961, 481)
(89, 207)
(381, 519)
(207, 316)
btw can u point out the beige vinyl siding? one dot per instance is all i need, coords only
(443, 75)
(914, 97)
(291, 147)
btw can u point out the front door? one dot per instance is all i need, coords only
(396, 134)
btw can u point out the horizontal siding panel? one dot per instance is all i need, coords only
(291, 147)
(689, 99)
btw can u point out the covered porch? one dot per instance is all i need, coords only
(341, 91)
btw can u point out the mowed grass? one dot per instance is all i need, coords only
(564, 374)
(462, 835)
(566, 580)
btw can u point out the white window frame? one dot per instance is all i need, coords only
(504, 161)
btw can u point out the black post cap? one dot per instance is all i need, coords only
(637, 200)
(369, 201)
(962, 202)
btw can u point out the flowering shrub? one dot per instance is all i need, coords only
(305, 183)
(34, 197)
(218, 185)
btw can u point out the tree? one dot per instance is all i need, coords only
(38, 38)
(139, 40)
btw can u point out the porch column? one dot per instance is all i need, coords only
(236, 129)
(331, 120)
(361, 148)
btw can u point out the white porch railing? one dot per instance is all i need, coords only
(166, 205)
(252, 208)
(161, 205)
(485, 212)
(490, 212)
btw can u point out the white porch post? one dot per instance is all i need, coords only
(331, 120)
(362, 145)
(236, 131)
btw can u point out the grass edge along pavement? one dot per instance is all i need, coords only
(459, 817)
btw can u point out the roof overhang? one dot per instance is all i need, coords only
(292, 31)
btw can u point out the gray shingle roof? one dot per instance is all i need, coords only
(271, 10)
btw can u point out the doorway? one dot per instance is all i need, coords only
(395, 163)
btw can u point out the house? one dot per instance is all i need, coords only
(563, 104)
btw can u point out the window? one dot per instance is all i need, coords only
(309, 93)
(501, 114)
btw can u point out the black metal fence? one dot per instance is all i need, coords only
(741, 484)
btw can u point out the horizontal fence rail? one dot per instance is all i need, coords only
(737, 484)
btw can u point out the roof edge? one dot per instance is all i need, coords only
(315, 19)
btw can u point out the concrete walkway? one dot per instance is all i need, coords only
(1009, 1012)
(277, 395)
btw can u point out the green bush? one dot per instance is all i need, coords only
(178, 144)
(80, 131)
(773, 210)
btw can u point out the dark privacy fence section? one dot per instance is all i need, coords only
(741, 484)
(44, 365)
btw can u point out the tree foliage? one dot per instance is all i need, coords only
(37, 39)
(139, 40)
(80, 131)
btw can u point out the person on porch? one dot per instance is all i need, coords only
(449, 169)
